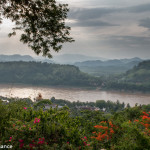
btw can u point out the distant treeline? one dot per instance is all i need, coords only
(37, 73)
(107, 106)
(45, 74)
(136, 79)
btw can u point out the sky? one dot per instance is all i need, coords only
(102, 28)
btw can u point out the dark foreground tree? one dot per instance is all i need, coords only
(42, 23)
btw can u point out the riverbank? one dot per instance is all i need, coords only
(72, 94)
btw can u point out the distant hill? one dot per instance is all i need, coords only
(25, 58)
(72, 58)
(43, 59)
(139, 74)
(38, 73)
(135, 59)
(114, 62)
(16, 57)
(115, 66)
(135, 79)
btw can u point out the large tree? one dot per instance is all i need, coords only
(42, 23)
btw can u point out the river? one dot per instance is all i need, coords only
(72, 94)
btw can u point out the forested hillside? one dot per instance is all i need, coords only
(37, 73)
(136, 79)
(139, 74)
(108, 67)
(16, 57)
(44, 73)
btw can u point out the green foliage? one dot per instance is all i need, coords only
(37, 73)
(101, 104)
(51, 127)
(136, 79)
(27, 128)
(42, 103)
(44, 74)
(42, 23)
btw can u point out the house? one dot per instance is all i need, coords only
(47, 106)
(87, 108)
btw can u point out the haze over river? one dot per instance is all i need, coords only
(72, 94)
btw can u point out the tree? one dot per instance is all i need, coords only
(101, 104)
(42, 23)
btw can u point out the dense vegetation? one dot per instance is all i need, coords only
(107, 106)
(106, 71)
(37, 73)
(136, 79)
(44, 74)
(139, 74)
(25, 126)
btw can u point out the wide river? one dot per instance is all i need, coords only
(72, 94)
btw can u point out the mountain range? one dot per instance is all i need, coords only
(108, 67)
(113, 62)
(16, 57)
(96, 66)
(59, 59)
(73, 58)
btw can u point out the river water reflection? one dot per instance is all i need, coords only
(72, 94)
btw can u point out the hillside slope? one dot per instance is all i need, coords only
(109, 67)
(45, 74)
(139, 74)
(136, 79)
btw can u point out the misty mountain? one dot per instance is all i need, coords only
(115, 66)
(38, 73)
(115, 62)
(135, 59)
(16, 57)
(60, 59)
(72, 58)
(25, 58)
(138, 74)
(43, 60)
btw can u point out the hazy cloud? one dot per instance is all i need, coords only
(129, 42)
(91, 23)
(88, 13)
(90, 17)
(140, 8)
(105, 28)
(145, 23)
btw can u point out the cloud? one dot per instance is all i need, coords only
(88, 13)
(145, 23)
(113, 28)
(91, 23)
(90, 17)
(129, 42)
(140, 8)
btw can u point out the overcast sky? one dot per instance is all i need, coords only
(104, 28)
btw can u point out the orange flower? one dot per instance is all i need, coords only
(100, 127)
(111, 130)
(136, 120)
(146, 125)
(103, 136)
(145, 114)
(145, 117)
(103, 122)
(110, 123)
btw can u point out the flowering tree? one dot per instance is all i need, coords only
(42, 23)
